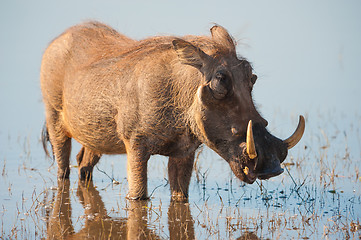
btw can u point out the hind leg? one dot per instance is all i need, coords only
(86, 159)
(60, 142)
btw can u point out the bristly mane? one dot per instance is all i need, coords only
(108, 43)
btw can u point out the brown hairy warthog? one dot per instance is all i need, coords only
(161, 95)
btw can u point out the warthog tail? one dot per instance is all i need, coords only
(45, 139)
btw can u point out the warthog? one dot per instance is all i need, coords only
(161, 95)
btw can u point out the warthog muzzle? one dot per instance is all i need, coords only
(262, 157)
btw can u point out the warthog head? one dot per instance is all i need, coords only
(225, 118)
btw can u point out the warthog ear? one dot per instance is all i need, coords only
(222, 37)
(189, 54)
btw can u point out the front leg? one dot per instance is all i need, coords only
(137, 162)
(180, 173)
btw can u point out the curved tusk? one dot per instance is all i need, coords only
(251, 148)
(297, 135)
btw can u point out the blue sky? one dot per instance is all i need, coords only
(307, 54)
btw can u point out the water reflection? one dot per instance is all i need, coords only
(98, 225)
(248, 236)
(180, 221)
(60, 225)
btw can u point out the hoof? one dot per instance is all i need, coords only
(63, 174)
(137, 198)
(86, 174)
(179, 197)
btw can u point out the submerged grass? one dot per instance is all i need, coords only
(318, 196)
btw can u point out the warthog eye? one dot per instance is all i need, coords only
(220, 85)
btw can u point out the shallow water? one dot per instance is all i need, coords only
(318, 195)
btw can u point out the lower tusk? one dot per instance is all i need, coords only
(297, 135)
(251, 148)
(246, 170)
